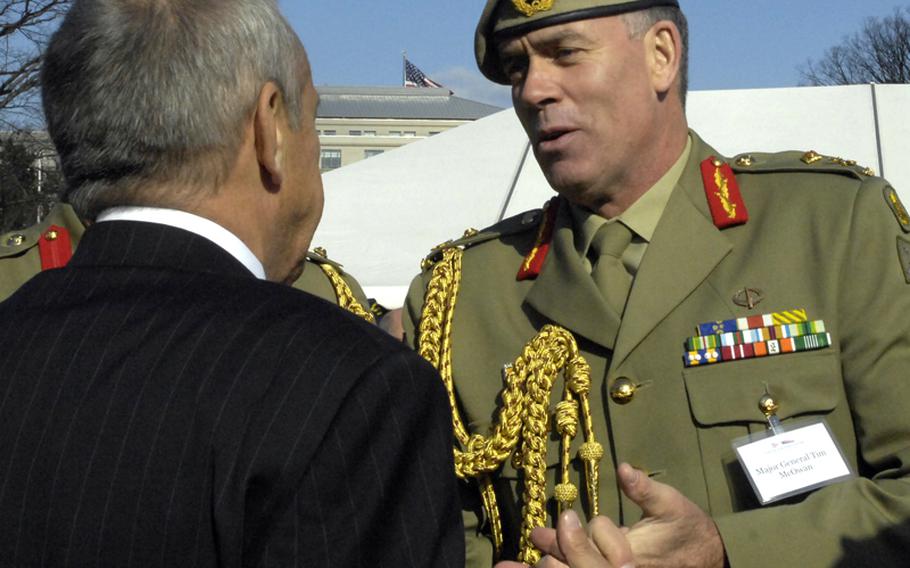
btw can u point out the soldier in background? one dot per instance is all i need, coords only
(668, 303)
(50, 244)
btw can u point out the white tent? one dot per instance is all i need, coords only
(382, 215)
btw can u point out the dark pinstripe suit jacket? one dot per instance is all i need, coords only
(159, 406)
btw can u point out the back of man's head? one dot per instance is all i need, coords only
(146, 100)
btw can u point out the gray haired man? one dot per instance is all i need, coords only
(166, 401)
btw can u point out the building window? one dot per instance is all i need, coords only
(394, 132)
(371, 153)
(369, 133)
(355, 132)
(329, 132)
(410, 133)
(434, 132)
(329, 159)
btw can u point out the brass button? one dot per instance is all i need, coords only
(768, 405)
(623, 390)
(51, 235)
(717, 163)
(15, 240)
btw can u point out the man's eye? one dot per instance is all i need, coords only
(513, 67)
(565, 52)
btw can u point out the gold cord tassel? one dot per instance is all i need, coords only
(522, 426)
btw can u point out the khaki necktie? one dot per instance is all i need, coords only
(610, 276)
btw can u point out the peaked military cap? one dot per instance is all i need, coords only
(509, 18)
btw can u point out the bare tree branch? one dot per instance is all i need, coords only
(25, 26)
(878, 53)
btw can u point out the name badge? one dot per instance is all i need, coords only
(793, 459)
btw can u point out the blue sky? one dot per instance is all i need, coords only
(735, 44)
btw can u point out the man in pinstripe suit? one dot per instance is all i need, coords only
(163, 401)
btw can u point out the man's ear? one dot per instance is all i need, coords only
(266, 125)
(664, 49)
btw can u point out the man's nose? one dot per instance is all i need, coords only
(540, 86)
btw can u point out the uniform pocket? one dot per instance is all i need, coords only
(728, 393)
(723, 400)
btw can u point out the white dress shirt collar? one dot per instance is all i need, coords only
(201, 226)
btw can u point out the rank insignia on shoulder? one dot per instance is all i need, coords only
(894, 202)
(533, 263)
(55, 248)
(722, 191)
(812, 157)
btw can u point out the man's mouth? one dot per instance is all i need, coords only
(551, 138)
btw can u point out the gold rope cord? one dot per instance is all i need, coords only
(345, 295)
(523, 423)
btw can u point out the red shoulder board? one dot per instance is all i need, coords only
(724, 197)
(55, 248)
(533, 263)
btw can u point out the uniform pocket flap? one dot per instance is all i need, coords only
(801, 383)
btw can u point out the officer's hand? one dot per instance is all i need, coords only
(569, 545)
(673, 530)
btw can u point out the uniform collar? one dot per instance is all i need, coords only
(641, 217)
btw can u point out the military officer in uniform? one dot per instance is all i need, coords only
(603, 355)
(50, 244)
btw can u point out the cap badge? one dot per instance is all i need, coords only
(531, 7)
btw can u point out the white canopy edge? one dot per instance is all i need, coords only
(382, 215)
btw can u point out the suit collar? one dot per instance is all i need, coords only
(190, 222)
(152, 245)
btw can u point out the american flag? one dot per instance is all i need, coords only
(414, 77)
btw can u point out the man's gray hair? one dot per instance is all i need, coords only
(143, 94)
(639, 22)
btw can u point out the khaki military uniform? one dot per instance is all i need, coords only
(20, 260)
(320, 277)
(822, 236)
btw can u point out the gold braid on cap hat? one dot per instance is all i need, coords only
(531, 7)
(522, 426)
